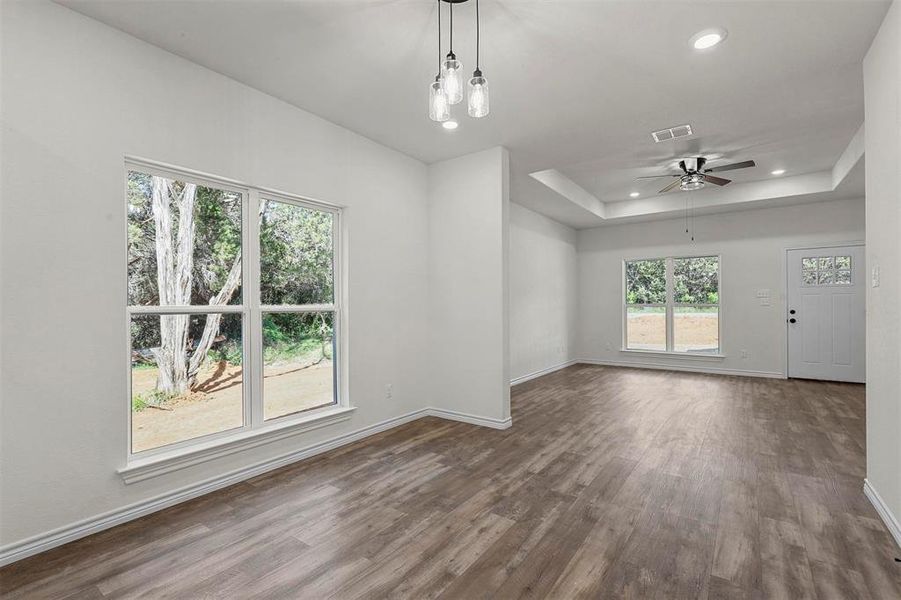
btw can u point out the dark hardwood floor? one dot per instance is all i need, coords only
(611, 483)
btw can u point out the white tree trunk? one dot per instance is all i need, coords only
(211, 327)
(174, 264)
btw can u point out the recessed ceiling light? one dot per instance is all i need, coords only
(708, 38)
(777, 172)
(634, 195)
(450, 124)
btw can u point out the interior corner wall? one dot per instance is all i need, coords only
(543, 293)
(77, 97)
(882, 99)
(468, 316)
(752, 247)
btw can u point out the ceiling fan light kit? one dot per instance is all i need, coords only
(450, 77)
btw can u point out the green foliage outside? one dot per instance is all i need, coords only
(152, 398)
(695, 281)
(287, 336)
(646, 282)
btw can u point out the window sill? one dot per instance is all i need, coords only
(694, 355)
(160, 464)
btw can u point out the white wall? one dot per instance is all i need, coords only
(543, 293)
(882, 93)
(77, 96)
(752, 246)
(468, 212)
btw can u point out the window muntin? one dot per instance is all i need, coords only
(826, 270)
(210, 252)
(672, 305)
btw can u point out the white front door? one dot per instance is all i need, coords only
(826, 313)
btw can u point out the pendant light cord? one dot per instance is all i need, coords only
(478, 41)
(451, 27)
(439, 38)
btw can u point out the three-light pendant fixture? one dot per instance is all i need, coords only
(447, 89)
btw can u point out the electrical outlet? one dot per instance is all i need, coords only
(389, 392)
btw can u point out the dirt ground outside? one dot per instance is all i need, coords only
(693, 332)
(216, 403)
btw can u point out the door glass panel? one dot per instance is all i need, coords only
(825, 263)
(826, 278)
(843, 277)
(809, 264)
(810, 277)
(843, 262)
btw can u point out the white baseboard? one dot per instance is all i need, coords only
(536, 374)
(68, 533)
(692, 368)
(887, 517)
(452, 415)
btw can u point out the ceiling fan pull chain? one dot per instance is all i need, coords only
(692, 204)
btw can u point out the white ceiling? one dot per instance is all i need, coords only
(576, 86)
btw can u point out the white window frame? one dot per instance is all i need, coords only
(254, 429)
(670, 305)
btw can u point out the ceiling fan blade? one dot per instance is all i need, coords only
(716, 180)
(658, 176)
(670, 186)
(732, 167)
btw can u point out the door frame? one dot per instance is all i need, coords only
(811, 246)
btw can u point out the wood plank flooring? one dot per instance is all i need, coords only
(612, 483)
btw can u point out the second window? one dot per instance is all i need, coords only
(672, 304)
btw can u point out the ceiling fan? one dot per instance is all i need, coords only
(694, 176)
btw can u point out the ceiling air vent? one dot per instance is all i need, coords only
(671, 133)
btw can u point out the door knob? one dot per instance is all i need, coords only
(793, 320)
(791, 312)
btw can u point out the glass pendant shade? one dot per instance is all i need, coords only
(452, 78)
(439, 109)
(478, 96)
